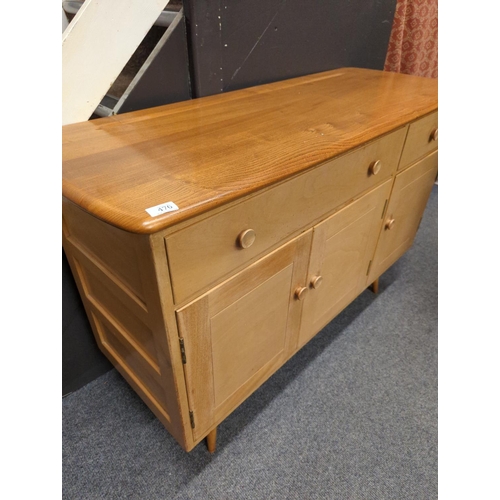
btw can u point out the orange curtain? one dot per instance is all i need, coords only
(413, 46)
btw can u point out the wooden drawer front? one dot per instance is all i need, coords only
(421, 140)
(209, 250)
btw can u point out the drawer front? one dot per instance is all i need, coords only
(206, 252)
(422, 139)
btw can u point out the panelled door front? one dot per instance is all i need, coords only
(238, 334)
(409, 196)
(341, 251)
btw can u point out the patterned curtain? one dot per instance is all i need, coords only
(413, 46)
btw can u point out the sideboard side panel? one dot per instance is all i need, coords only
(118, 283)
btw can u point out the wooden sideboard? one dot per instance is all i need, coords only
(270, 210)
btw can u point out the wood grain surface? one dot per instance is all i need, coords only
(207, 152)
(341, 251)
(206, 251)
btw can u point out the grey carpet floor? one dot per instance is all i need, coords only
(352, 416)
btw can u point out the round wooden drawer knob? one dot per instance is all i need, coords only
(246, 238)
(434, 135)
(300, 292)
(316, 281)
(375, 167)
(389, 224)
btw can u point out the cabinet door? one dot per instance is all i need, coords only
(240, 332)
(409, 196)
(341, 251)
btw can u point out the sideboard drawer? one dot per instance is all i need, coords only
(422, 139)
(209, 250)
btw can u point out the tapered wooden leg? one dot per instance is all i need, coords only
(212, 440)
(374, 286)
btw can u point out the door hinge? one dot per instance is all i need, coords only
(383, 211)
(191, 418)
(368, 270)
(183, 351)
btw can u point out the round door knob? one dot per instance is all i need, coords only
(246, 238)
(316, 281)
(434, 135)
(300, 292)
(389, 224)
(375, 167)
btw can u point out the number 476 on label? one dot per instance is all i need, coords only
(169, 206)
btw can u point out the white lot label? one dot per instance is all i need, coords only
(169, 206)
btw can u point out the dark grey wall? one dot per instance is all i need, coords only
(232, 45)
(236, 44)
